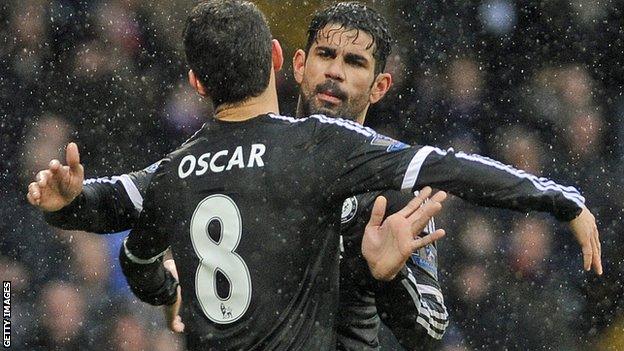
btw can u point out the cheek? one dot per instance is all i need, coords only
(313, 70)
(360, 90)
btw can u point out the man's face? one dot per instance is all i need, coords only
(338, 74)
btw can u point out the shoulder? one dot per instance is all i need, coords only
(342, 125)
(326, 123)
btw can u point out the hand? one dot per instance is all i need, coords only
(586, 234)
(172, 313)
(57, 186)
(388, 243)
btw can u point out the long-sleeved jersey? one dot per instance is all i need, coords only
(299, 170)
(411, 305)
(114, 204)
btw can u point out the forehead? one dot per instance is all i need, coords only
(338, 36)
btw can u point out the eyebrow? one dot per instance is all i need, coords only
(326, 48)
(349, 57)
(356, 58)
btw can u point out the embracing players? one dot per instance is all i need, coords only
(353, 51)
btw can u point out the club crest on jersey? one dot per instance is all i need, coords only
(349, 209)
(392, 145)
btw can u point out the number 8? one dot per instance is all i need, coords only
(220, 257)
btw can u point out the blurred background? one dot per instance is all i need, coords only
(536, 84)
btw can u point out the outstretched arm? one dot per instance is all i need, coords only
(375, 162)
(487, 182)
(104, 205)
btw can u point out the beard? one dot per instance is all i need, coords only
(349, 107)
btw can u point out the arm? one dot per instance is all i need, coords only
(141, 254)
(374, 162)
(486, 182)
(102, 205)
(105, 205)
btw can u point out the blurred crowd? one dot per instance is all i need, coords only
(535, 84)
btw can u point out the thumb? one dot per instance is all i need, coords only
(379, 210)
(72, 156)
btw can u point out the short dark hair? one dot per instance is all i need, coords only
(355, 15)
(228, 46)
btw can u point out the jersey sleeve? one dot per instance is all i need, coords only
(370, 161)
(141, 254)
(105, 205)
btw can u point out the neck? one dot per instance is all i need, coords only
(360, 118)
(251, 108)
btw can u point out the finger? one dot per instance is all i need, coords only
(42, 178)
(378, 213)
(587, 255)
(425, 212)
(31, 200)
(55, 165)
(177, 325)
(597, 259)
(72, 156)
(171, 267)
(34, 191)
(34, 195)
(416, 202)
(421, 242)
(440, 196)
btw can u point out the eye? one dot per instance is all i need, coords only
(324, 53)
(356, 63)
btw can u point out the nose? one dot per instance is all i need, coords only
(335, 70)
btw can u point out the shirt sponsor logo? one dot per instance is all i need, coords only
(397, 146)
(427, 259)
(391, 144)
(152, 168)
(223, 160)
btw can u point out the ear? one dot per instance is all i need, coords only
(277, 55)
(382, 84)
(196, 84)
(299, 60)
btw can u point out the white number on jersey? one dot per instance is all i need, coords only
(220, 257)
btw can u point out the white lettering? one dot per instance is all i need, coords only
(210, 161)
(187, 159)
(257, 151)
(201, 162)
(213, 167)
(237, 159)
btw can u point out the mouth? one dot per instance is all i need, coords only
(328, 96)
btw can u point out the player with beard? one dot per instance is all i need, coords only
(340, 74)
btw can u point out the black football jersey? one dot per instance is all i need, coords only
(252, 213)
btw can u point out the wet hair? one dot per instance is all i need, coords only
(228, 47)
(355, 15)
